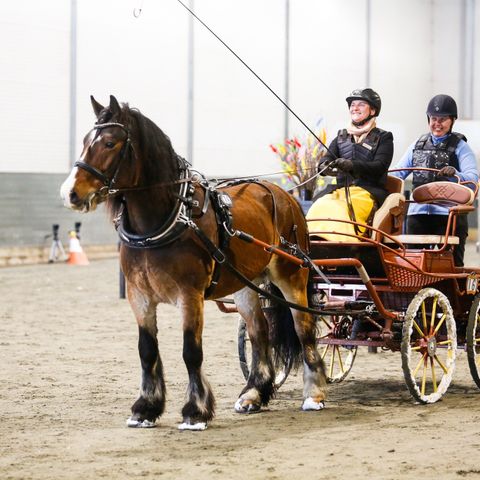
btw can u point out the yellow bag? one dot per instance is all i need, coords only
(334, 206)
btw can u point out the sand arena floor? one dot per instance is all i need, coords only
(69, 372)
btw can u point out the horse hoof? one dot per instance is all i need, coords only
(196, 427)
(248, 408)
(310, 404)
(136, 423)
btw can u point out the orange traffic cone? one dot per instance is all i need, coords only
(77, 255)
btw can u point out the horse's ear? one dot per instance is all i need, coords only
(114, 105)
(97, 108)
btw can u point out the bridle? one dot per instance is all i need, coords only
(108, 183)
(176, 222)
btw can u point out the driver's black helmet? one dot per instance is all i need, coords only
(368, 95)
(442, 106)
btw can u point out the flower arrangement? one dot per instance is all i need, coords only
(300, 161)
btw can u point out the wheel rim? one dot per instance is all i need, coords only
(429, 345)
(338, 359)
(473, 340)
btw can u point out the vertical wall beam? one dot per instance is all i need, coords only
(467, 59)
(191, 80)
(368, 42)
(73, 83)
(287, 67)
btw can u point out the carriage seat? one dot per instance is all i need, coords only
(449, 194)
(389, 217)
(423, 239)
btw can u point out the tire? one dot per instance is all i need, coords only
(473, 340)
(244, 356)
(429, 337)
(338, 359)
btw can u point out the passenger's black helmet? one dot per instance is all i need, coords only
(442, 106)
(369, 96)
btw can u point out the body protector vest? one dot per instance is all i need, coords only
(428, 155)
(363, 151)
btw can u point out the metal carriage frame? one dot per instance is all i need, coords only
(396, 292)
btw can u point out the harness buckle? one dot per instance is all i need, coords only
(195, 178)
(230, 232)
(104, 191)
(219, 257)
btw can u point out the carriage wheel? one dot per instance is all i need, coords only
(429, 345)
(338, 358)
(473, 340)
(244, 355)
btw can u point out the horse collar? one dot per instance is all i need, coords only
(172, 228)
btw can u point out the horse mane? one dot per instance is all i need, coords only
(151, 158)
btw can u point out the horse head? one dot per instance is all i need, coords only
(104, 163)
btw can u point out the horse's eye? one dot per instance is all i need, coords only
(109, 144)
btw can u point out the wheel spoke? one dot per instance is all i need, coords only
(424, 376)
(441, 364)
(325, 322)
(338, 359)
(434, 312)
(418, 329)
(323, 336)
(340, 362)
(419, 364)
(424, 317)
(416, 349)
(324, 352)
(332, 360)
(444, 342)
(440, 323)
(434, 378)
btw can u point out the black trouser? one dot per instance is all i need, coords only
(437, 225)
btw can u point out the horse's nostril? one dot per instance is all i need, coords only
(73, 196)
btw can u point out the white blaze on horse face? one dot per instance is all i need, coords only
(67, 187)
(69, 183)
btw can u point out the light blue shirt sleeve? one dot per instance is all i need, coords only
(405, 162)
(466, 162)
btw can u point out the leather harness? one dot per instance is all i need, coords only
(182, 215)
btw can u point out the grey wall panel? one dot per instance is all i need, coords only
(30, 204)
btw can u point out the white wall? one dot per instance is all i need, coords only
(415, 53)
(476, 74)
(34, 86)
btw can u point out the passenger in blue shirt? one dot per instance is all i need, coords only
(448, 152)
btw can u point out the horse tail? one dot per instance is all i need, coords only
(287, 349)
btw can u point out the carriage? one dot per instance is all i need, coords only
(393, 291)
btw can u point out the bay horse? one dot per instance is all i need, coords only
(159, 205)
